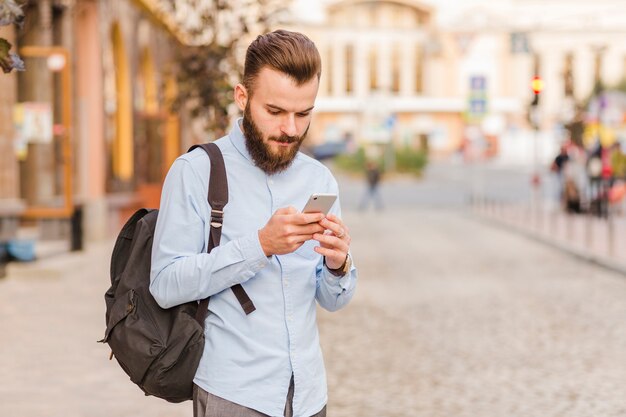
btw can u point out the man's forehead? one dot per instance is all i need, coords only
(274, 88)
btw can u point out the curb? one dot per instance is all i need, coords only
(598, 260)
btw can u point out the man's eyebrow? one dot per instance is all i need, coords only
(274, 107)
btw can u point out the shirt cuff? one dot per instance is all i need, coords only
(338, 284)
(253, 252)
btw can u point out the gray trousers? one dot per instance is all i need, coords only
(208, 405)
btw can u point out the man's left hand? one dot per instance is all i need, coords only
(334, 243)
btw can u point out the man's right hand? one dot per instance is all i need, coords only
(288, 229)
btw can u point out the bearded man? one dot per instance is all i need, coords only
(267, 363)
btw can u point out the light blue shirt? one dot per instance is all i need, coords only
(248, 359)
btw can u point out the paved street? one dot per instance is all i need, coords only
(452, 318)
(457, 319)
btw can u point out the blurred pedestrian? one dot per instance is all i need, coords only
(568, 191)
(372, 175)
(558, 164)
(267, 363)
(617, 192)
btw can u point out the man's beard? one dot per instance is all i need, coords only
(261, 152)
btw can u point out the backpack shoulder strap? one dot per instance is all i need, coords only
(218, 192)
(218, 198)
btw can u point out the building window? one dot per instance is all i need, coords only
(349, 68)
(396, 65)
(329, 70)
(373, 14)
(568, 75)
(373, 68)
(419, 69)
(598, 52)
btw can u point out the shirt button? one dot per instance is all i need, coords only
(271, 182)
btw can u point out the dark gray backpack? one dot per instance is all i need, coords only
(160, 348)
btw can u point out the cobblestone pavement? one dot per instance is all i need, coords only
(452, 318)
(457, 319)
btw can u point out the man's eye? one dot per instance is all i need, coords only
(273, 112)
(303, 114)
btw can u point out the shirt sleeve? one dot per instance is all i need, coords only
(334, 292)
(181, 269)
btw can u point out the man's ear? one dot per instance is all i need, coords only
(241, 96)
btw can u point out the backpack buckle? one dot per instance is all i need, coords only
(217, 217)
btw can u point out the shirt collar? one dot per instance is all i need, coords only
(238, 140)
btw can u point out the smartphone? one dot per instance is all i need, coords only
(319, 203)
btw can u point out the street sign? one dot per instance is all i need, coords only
(519, 43)
(477, 100)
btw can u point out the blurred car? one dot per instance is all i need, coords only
(328, 150)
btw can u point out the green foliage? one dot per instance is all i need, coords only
(351, 162)
(407, 160)
(410, 160)
(10, 13)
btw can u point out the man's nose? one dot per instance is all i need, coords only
(289, 126)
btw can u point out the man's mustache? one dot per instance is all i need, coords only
(286, 139)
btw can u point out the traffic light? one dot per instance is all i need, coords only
(536, 84)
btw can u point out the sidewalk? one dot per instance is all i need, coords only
(51, 315)
(441, 325)
(597, 240)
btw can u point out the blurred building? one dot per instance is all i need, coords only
(576, 47)
(384, 77)
(140, 135)
(10, 203)
(88, 124)
(393, 73)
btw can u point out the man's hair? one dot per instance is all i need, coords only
(291, 53)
